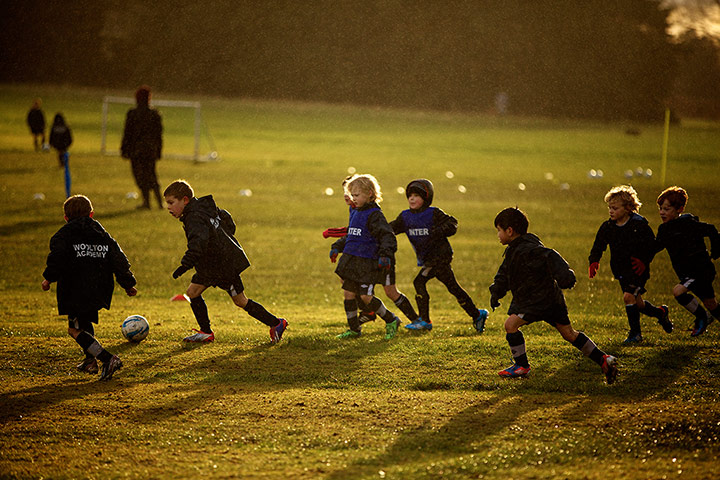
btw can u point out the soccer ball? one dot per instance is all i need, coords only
(135, 328)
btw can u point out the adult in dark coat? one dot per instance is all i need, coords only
(60, 138)
(142, 144)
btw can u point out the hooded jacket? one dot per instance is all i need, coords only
(83, 259)
(211, 247)
(684, 239)
(534, 274)
(142, 135)
(427, 229)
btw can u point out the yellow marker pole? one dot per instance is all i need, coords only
(666, 135)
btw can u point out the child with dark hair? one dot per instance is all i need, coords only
(368, 252)
(632, 248)
(427, 228)
(217, 257)
(83, 260)
(536, 276)
(683, 235)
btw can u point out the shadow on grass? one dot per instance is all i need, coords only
(490, 417)
(25, 226)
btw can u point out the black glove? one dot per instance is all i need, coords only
(179, 271)
(494, 302)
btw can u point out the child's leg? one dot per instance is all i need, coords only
(422, 298)
(445, 274)
(78, 326)
(712, 305)
(633, 313)
(690, 303)
(255, 310)
(579, 340)
(516, 340)
(649, 309)
(198, 306)
(350, 304)
(401, 301)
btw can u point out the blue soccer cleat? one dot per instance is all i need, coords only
(479, 321)
(514, 371)
(277, 331)
(419, 324)
(701, 325)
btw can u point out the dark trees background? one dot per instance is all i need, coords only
(608, 59)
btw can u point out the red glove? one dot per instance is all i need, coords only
(637, 265)
(333, 255)
(335, 232)
(592, 271)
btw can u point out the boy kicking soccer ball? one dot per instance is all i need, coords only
(217, 257)
(535, 275)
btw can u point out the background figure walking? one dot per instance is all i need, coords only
(60, 140)
(142, 144)
(36, 122)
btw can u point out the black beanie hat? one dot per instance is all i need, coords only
(422, 187)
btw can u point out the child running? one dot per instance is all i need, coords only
(83, 259)
(632, 248)
(535, 275)
(683, 235)
(217, 257)
(389, 285)
(368, 252)
(427, 228)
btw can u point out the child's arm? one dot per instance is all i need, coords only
(711, 232)
(121, 269)
(383, 233)
(398, 225)
(596, 252)
(198, 236)
(561, 271)
(499, 287)
(444, 225)
(56, 260)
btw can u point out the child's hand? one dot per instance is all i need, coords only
(179, 271)
(494, 302)
(45, 285)
(592, 271)
(637, 265)
(384, 263)
(131, 292)
(333, 255)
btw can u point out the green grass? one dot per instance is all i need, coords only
(419, 406)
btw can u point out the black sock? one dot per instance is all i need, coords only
(517, 347)
(91, 346)
(200, 311)
(588, 348)
(652, 311)
(378, 307)
(633, 314)
(406, 307)
(258, 312)
(423, 304)
(351, 312)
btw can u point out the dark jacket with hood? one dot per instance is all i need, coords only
(684, 239)
(361, 269)
(211, 247)
(142, 135)
(534, 274)
(60, 135)
(635, 239)
(83, 259)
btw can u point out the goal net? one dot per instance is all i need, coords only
(184, 132)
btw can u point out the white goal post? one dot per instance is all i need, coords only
(110, 120)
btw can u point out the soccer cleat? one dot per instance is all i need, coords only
(348, 334)
(479, 321)
(392, 328)
(366, 317)
(419, 324)
(88, 365)
(110, 367)
(664, 321)
(633, 338)
(200, 337)
(701, 325)
(514, 371)
(276, 332)
(610, 368)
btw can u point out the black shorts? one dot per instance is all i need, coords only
(232, 287)
(82, 321)
(387, 278)
(359, 288)
(701, 287)
(556, 315)
(632, 286)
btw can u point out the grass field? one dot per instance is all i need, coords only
(419, 406)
